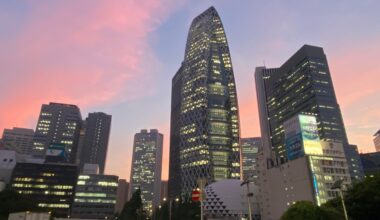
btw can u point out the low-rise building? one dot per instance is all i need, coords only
(371, 163)
(29, 216)
(95, 196)
(50, 185)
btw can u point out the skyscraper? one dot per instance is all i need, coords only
(302, 84)
(205, 132)
(250, 148)
(58, 124)
(146, 168)
(95, 143)
(18, 139)
(305, 147)
(376, 140)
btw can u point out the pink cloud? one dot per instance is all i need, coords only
(87, 53)
(355, 71)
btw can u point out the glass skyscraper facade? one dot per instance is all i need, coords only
(302, 84)
(146, 168)
(205, 132)
(250, 148)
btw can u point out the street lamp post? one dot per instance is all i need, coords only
(249, 195)
(170, 206)
(338, 185)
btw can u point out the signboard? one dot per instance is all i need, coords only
(195, 195)
(301, 137)
(310, 137)
(56, 150)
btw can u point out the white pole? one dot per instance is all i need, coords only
(344, 206)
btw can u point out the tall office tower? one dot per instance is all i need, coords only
(205, 133)
(50, 185)
(121, 195)
(146, 168)
(301, 85)
(94, 147)
(18, 139)
(250, 148)
(95, 196)
(58, 124)
(376, 140)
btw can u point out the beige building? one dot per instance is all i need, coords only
(29, 216)
(308, 178)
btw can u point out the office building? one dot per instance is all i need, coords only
(95, 196)
(18, 139)
(371, 163)
(376, 140)
(8, 160)
(50, 185)
(309, 173)
(250, 148)
(95, 144)
(146, 168)
(302, 84)
(121, 195)
(58, 124)
(205, 132)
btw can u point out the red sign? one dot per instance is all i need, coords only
(195, 195)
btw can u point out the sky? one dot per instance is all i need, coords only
(119, 57)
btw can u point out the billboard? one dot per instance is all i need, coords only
(310, 137)
(56, 150)
(301, 137)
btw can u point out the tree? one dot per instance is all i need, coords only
(362, 200)
(306, 210)
(11, 201)
(133, 209)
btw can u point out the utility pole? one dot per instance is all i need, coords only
(249, 195)
(338, 185)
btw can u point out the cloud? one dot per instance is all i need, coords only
(355, 72)
(87, 53)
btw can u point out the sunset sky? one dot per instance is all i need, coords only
(119, 57)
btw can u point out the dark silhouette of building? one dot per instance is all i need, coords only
(18, 139)
(93, 147)
(371, 163)
(50, 185)
(205, 132)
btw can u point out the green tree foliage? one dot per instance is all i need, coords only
(362, 200)
(306, 210)
(133, 209)
(11, 201)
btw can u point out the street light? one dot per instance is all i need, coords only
(170, 206)
(338, 185)
(249, 195)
